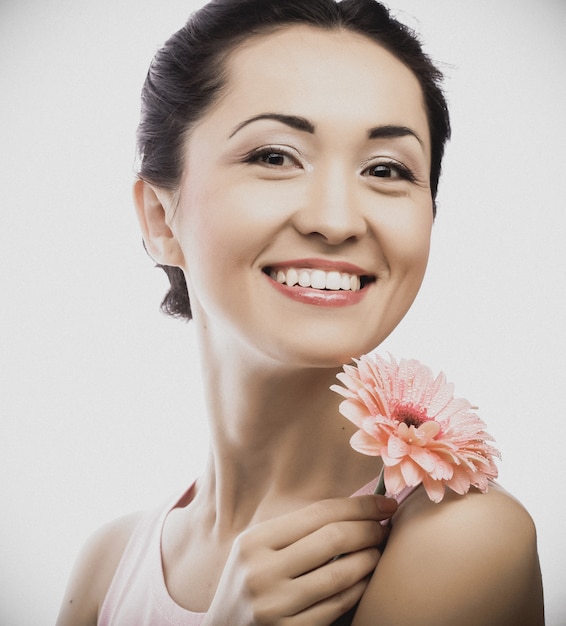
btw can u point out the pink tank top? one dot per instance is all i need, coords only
(138, 595)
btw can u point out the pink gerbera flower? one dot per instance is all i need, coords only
(413, 421)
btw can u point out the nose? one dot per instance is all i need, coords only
(332, 209)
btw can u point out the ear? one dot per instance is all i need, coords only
(153, 205)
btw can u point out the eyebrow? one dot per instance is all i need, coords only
(383, 132)
(294, 121)
(303, 124)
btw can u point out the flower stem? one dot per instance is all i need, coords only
(380, 489)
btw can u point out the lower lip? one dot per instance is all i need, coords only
(319, 297)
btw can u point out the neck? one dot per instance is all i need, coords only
(277, 442)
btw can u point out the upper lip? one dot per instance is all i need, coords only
(328, 265)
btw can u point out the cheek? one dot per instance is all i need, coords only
(416, 251)
(234, 223)
(406, 241)
(222, 229)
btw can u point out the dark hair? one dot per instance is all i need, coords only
(188, 73)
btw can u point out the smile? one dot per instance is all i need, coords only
(318, 279)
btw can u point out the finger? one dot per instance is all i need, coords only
(329, 610)
(285, 530)
(332, 582)
(327, 542)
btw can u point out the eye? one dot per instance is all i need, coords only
(272, 157)
(389, 170)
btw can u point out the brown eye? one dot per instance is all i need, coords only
(273, 158)
(391, 170)
(381, 171)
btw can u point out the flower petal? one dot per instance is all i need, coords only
(434, 488)
(354, 411)
(364, 443)
(413, 474)
(460, 481)
(424, 457)
(394, 481)
(397, 448)
(429, 430)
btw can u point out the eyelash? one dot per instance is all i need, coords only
(403, 172)
(255, 156)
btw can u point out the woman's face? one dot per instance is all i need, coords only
(305, 209)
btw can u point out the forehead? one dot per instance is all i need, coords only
(309, 70)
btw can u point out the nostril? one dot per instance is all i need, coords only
(333, 225)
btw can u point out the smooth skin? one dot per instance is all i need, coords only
(292, 164)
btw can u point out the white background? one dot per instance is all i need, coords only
(99, 392)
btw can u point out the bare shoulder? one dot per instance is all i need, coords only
(470, 560)
(93, 572)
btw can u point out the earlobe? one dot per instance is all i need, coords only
(152, 205)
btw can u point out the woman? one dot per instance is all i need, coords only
(289, 160)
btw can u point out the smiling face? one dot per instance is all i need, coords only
(304, 212)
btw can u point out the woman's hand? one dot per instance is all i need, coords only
(283, 572)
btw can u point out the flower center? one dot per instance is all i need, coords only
(410, 414)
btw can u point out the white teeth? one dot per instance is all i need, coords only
(355, 283)
(292, 277)
(304, 278)
(317, 279)
(333, 280)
